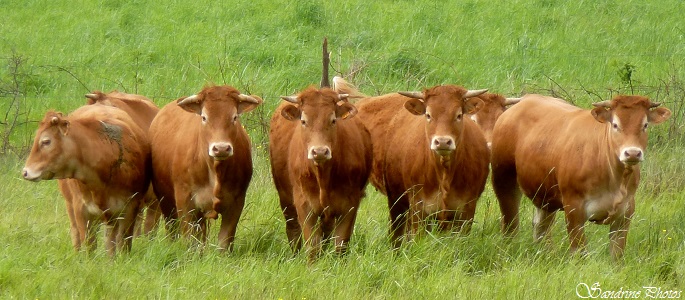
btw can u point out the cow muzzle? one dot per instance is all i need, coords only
(319, 154)
(443, 145)
(32, 175)
(631, 155)
(220, 151)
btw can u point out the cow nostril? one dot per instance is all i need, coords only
(26, 173)
(326, 151)
(448, 142)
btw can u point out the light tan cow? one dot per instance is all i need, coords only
(142, 110)
(584, 162)
(104, 157)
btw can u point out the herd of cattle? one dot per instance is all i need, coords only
(429, 152)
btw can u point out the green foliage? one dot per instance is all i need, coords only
(165, 50)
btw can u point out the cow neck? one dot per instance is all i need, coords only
(322, 172)
(445, 168)
(619, 176)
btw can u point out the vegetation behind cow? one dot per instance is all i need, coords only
(54, 52)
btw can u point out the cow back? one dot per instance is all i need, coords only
(141, 109)
(547, 139)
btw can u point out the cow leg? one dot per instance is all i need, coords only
(229, 222)
(79, 223)
(88, 222)
(187, 215)
(292, 225)
(72, 198)
(152, 216)
(111, 231)
(343, 230)
(126, 224)
(398, 206)
(618, 233)
(170, 213)
(461, 216)
(91, 229)
(542, 222)
(149, 215)
(416, 225)
(200, 231)
(575, 223)
(506, 188)
(328, 223)
(313, 233)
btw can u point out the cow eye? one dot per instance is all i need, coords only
(45, 142)
(334, 121)
(614, 125)
(459, 116)
(235, 118)
(304, 123)
(204, 119)
(428, 116)
(644, 128)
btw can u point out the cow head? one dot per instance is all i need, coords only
(444, 108)
(318, 111)
(493, 106)
(219, 108)
(627, 119)
(47, 159)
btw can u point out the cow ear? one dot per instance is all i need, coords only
(601, 114)
(415, 106)
(191, 104)
(345, 110)
(246, 106)
(658, 115)
(472, 105)
(291, 113)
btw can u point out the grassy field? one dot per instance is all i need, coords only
(584, 51)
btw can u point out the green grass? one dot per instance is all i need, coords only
(582, 51)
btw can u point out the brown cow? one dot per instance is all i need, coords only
(584, 162)
(428, 158)
(142, 110)
(201, 158)
(320, 160)
(105, 155)
(493, 106)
